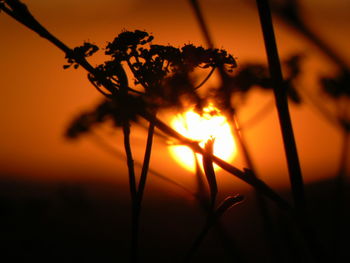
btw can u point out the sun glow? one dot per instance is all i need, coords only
(211, 124)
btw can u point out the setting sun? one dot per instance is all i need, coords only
(211, 124)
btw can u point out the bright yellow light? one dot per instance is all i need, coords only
(201, 128)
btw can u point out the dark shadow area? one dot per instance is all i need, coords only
(90, 222)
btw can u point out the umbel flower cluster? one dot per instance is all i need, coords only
(162, 77)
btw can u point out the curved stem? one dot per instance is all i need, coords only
(206, 79)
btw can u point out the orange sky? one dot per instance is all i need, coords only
(39, 98)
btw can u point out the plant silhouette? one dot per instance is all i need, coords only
(162, 77)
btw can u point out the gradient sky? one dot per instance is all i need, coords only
(39, 98)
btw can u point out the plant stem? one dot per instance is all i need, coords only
(294, 19)
(109, 149)
(133, 193)
(294, 169)
(130, 161)
(235, 124)
(137, 195)
(245, 175)
(198, 240)
(280, 93)
(202, 23)
(339, 202)
(146, 162)
(267, 225)
(212, 219)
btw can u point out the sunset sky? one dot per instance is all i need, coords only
(39, 98)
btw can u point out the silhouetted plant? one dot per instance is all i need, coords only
(163, 78)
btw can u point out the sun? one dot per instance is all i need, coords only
(211, 124)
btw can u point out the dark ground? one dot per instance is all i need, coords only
(89, 222)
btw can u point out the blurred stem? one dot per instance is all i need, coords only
(257, 117)
(319, 106)
(280, 93)
(323, 46)
(267, 226)
(198, 240)
(212, 219)
(203, 201)
(202, 23)
(296, 21)
(339, 202)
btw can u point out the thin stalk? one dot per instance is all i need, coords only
(294, 169)
(146, 161)
(130, 161)
(105, 146)
(205, 79)
(138, 195)
(133, 194)
(257, 117)
(202, 23)
(323, 46)
(320, 108)
(211, 221)
(280, 94)
(25, 18)
(203, 201)
(198, 241)
(294, 18)
(267, 225)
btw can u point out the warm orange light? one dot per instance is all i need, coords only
(200, 128)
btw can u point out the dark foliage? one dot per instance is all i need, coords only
(116, 110)
(337, 86)
(255, 75)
